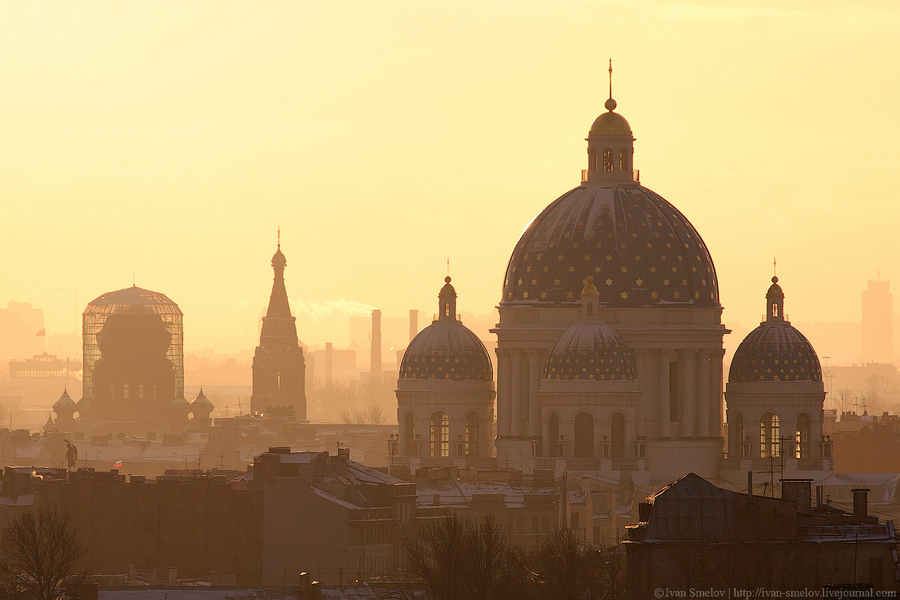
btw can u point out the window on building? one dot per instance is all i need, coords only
(802, 436)
(768, 436)
(440, 435)
(584, 435)
(617, 431)
(623, 160)
(608, 160)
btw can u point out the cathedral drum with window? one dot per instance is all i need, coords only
(774, 399)
(657, 290)
(445, 394)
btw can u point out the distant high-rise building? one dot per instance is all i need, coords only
(279, 369)
(878, 322)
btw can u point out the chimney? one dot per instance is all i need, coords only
(800, 491)
(820, 495)
(413, 324)
(329, 362)
(375, 366)
(749, 483)
(860, 502)
(644, 512)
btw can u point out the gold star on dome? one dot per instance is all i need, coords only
(587, 257)
(559, 257)
(622, 245)
(662, 258)
(528, 269)
(668, 245)
(703, 282)
(609, 282)
(539, 256)
(556, 282)
(684, 282)
(520, 282)
(571, 269)
(680, 257)
(677, 295)
(674, 269)
(599, 245)
(697, 295)
(654, 295)
(575, 245)
(649, 245)
(545, 269)
(534, 282)
(653, 269)
(570, 295)
(634, 235)
(609, 257)
(624, 295)
(596, 269)
(637, 257)
(624, 269)
(639, 282)
(694, 269)
(525, 295)
(665, 282)
(543, 295)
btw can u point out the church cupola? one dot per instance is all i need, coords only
(447, 297)
(610, 147)
(775, 302)
(590, 298)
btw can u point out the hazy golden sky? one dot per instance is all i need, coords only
(170, 139)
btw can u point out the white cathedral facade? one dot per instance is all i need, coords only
(610, 352)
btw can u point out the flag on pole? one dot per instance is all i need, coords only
(117, 464)
(41, 332)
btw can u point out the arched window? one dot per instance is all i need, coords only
(584, 435)
(440, 434)
(617, 429)
(737, 437)
(592, 159)
(447, 310)
(802, 436)
(552, 435)
(472, 434)
(623, 160)
(608, 160)
(774, 310)
(589, 309)
(409, 432)
(768, 436)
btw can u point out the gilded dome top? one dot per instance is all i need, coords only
(590, 351)
(640, 250)
(446, 349)
(775, 351)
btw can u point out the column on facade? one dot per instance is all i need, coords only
(643, 371)
(534, 383)
(504, 393)
(517, 393)
(703, 395)
(689, 368)
(663, 396)
(716, 398)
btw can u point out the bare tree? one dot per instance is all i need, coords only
(565, 569)
(42, 554)
(454, 559)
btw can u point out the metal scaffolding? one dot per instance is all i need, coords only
(132, 301)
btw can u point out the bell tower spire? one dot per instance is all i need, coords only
(610, 147)
(279, 368)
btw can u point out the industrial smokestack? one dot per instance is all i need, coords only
(329, 362)
(413, 324)
(375, 364)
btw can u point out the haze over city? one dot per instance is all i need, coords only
(164, 143)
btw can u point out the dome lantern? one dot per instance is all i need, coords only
(447, 301)
(610, 147)
(775, 302)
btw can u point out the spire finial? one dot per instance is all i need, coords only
(610, 103)
(279, 237)
(774, 269)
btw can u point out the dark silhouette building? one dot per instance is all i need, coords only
(133, 358)
(279, 369)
